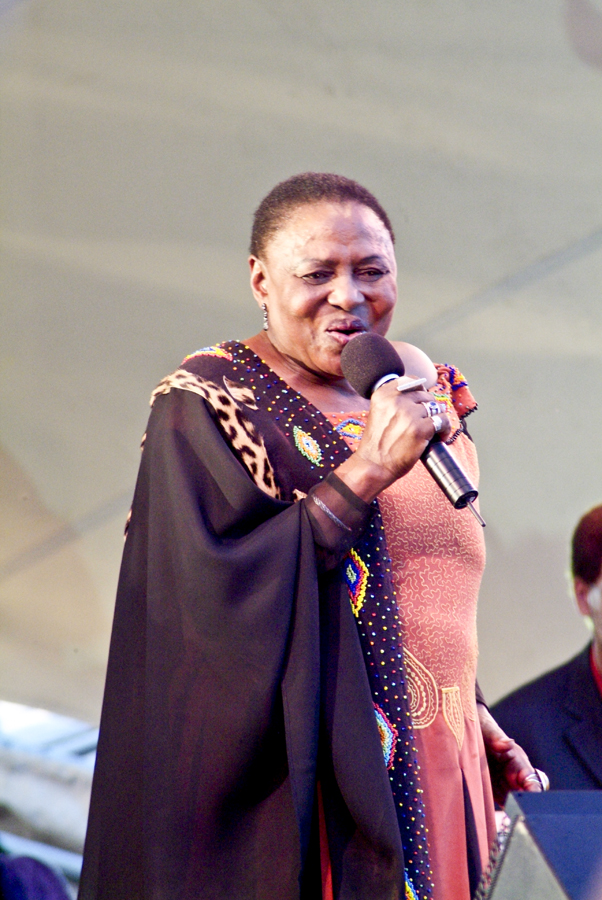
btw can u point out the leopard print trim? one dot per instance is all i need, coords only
(182, 380)
(241, 434)
(240, 393)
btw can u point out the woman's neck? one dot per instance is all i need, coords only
(327, 396)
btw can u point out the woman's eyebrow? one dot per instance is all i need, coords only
(374, 258)
(315, 261)
(333, 262)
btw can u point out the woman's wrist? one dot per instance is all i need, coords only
(364, 478)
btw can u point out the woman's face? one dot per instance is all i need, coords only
(327, 275)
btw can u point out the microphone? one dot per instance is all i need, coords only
(369, 361)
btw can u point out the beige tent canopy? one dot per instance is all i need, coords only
(136, 140)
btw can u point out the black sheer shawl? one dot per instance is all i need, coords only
(236, 679)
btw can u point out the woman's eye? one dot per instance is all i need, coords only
(371, 274)
(317, 277)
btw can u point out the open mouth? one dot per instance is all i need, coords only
(345, 331)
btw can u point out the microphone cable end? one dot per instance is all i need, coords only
(476, 514)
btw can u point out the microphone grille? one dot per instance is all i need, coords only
(367, 358)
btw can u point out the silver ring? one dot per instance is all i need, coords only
(543, 779)
(540, 777)
(431, 406)
(438, 423)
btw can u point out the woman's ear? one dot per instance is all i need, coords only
(258, 280)
(582, 590)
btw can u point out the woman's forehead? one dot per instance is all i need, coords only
(324, 222)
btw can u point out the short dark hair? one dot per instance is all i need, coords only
(303, 189)
(586, 558)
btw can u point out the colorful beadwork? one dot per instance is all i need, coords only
(307, 446)
(451, 381)
(214, 350)
(456, 379)
(388, 736)
(410, 892)
(442, 397)
(352, 429)
(355, 573)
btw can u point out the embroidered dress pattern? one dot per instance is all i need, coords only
(453, 712)
(437, 591)
(307, 445)
(388, 736)
(422, 688)
(355, 573)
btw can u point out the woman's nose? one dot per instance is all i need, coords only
(345, 292)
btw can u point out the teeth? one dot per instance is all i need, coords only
(347, 331)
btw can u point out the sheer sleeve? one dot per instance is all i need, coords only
(338, 517)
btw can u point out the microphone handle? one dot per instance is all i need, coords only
(449, 475)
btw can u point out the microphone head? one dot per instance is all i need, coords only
(366, 359)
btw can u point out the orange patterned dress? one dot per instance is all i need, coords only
(438, 556)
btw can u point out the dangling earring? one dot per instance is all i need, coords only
(265, 316)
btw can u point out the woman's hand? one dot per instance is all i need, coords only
(509, 765)
(396, 434)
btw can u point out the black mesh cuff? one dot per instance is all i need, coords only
(338, 517)
(352, 499)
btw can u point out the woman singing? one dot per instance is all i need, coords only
(290, 702)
